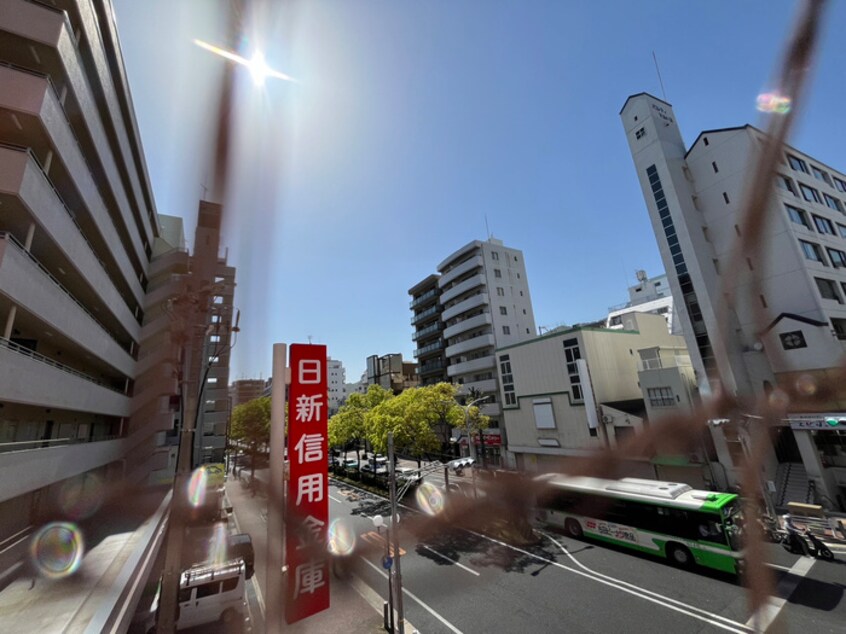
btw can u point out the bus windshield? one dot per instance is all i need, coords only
(733, 522)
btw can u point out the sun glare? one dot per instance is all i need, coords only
(259, 70)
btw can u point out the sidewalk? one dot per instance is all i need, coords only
(354, 607)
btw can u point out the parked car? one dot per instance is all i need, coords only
(350, 463)
(208, 594)
(408, 474)
(241, 545)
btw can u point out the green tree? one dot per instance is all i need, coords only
(251, 425)
(409, 417)
(349, 424)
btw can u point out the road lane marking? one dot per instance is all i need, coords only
(661, 597)
(375, 539)
(336, 499)
(766, 615)
(777, 567)
(442, 556)
(415, 597)
(712, 619)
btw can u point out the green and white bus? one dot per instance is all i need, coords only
(663, 518)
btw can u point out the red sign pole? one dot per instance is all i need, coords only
(307, 587)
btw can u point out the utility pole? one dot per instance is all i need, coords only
(394, 528)
(276, 499)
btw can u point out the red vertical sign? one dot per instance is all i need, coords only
(307, 587)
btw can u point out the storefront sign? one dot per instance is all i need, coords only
(819, 421)
(307, 587)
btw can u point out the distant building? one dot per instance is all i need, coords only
(649, 295)
(245, 390)
(574, 390)
(336, 384)
(391, 372)
(478, 301)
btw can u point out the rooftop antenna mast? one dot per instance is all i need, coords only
(487, 229)
(658, 71)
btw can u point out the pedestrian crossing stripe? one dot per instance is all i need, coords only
(375, 539)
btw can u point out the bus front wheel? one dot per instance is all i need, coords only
(679, 555)
(573, 528)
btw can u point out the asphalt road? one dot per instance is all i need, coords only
(466, 582)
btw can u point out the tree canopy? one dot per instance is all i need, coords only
(421, 418)
(251, 424)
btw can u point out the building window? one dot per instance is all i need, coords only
(500, 291)
(542, 409)
(810, 194)
(828, 289)
(660, 396)
(506, 330)
(840, 185)
(824, 225)
(494, 255)
(507, 380)
(797, 164)
(839, 326)
(524, 311)
(837, 257)
(503, 310)
(726, 197)
(821, 175)
(705, 140)
(812, 251)
(497, 273)
(571, 355)
(782, 182)
(798, 216)
(842, 230)
(639, 134)
(714, 165)
(833, 203)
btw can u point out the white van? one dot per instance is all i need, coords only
(210, 593)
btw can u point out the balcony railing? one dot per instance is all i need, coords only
(428, 330)
(437, 345)
(430, 367)
(658, 363)
(423, 298)
(11, 345)
(29, 445)
(425, 314)
(13, 240)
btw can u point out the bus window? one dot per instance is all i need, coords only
(208, 589)
(185, 595)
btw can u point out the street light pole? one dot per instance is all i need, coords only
(394, 533)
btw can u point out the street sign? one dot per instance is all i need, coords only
(307, 587)
(387, 562)
(818, 421)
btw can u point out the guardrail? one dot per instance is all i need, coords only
(11, 345)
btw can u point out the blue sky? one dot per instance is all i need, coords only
(413, 122)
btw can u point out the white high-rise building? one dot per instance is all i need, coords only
(694, 197)
(336, 383)
(483, 303)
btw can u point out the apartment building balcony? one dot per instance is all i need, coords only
(429, 313)
(463, 306)
(428, 297)
(474, 365)
(35, 198)
(29, 466)
(474, 343)
(465, 267)
(33, 379)
(174, 261)
(44, 126)
(483, 387)
(462, 287)
(490, 409)
(50, 35)
(479, 321)
(25, 282)
(430, 330)
(432, 347)
(425, 369)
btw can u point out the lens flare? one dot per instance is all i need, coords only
(218, 544)
(57, 550)
(430, 498)
(340, 538)
(81, 497)
(197, 487)
(257, 66)
(774, 103)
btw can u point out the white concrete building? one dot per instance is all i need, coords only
(574, 390)
(649, 295)
(694, 197)
(336, 383)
